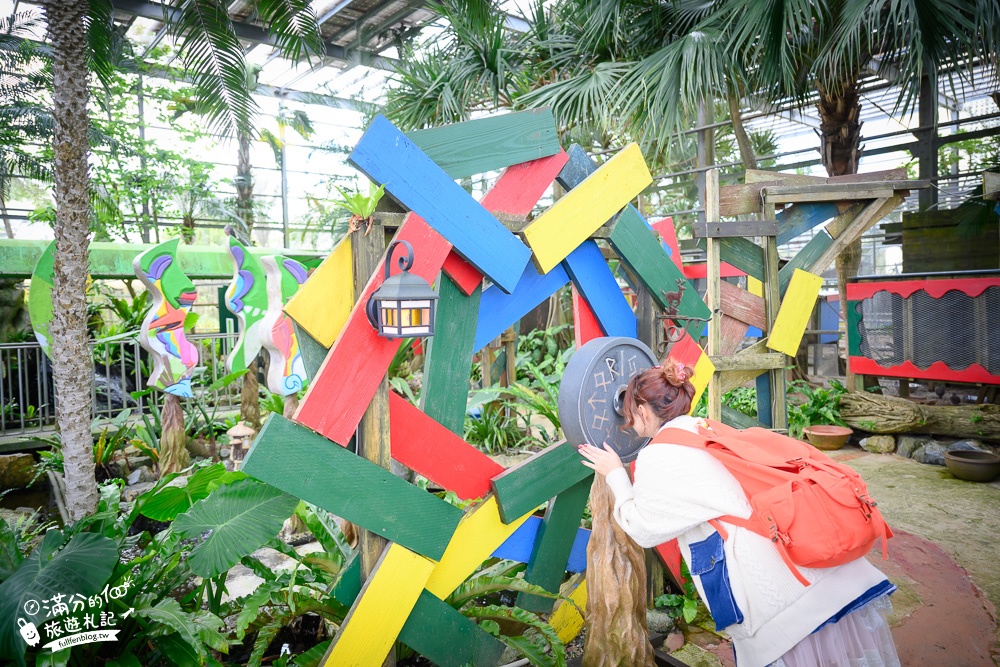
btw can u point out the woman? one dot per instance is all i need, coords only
(838, 620)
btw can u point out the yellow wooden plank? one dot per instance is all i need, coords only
(755, 286)
(378, 614)
(323, 303)
(793, 316)
(704, 369)
(478, 535)
(566, 620)
(574, 217)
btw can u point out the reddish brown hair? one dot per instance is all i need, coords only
(666, 389)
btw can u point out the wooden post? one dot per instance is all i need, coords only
(772, 296)
(373, 431)
(714, 292)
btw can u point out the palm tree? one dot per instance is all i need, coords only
(214, 58)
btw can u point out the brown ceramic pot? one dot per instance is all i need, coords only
(972, 465)
(827, 437)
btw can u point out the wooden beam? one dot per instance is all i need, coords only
(867, 218)
(749, 362)
(575, 216)
(521, 544)
(585, 324)
(991, 185)
(524, 487)
(592, 276)
(323, 304)
(498, 311)
(388, 157)
(306, 465)
(805, 259)
(743, 306)
(713, 294)
(796, 309)
(744, 254)
(448, 638)
(742, 228)
(567, 619)
(480, 533)
(489, 144)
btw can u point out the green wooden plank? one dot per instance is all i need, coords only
(303, 463)
(737, 419)
(449, 356)
(804, 259)
(854, 329)
(523, 487)
(446, 637)
(640, 250)
(489, 144)
(547, 566)
(348, 586)
(744, 254)
(114, 260)
(313, 352)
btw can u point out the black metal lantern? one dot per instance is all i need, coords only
(403, 306)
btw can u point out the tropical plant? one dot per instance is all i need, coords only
(82, 38)
(680, 605)
(361, 206)
(821, 406)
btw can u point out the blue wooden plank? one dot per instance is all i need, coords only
(802, 217)
(593, 278)
(519, 545)
(498, 311)
(388, 157)
(764, 412)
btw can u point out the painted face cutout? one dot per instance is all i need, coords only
(286, 371)
(246, 298)
(162, 333)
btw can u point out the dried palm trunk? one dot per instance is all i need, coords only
(173, 451)
(888, 414)
(617, 635)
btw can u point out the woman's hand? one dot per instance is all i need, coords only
(602, 461)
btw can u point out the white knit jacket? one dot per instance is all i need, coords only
(677, 489)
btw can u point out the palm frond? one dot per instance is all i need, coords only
(293, 25)
(105, 40)
(586, 98)
(433, 88)
(214, 58)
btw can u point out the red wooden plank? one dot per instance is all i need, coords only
(670, 554)
(934, 288)
(699, 271)
(665, 228)
(585, 326)
(524, 185)
(465, 276)
(421, 443)
(936, 371)
(344, 385)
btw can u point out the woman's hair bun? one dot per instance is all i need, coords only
(676, 373)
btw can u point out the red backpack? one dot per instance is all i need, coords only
(816, 511)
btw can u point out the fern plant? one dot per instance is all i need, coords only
(362, 207)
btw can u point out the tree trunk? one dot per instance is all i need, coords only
(291, 405)
(174, 456)
(840, 138)
(72, 367)
(6, 217)
(742, 140)
(888, 414)
(617, 634)
(244, 185)
(250, 398)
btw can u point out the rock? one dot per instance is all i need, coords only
(879, 444)
(134, 463)
(910, 443)
(134, 491)
(968, 445)
(931, 453)
(140, 475)
(16, 470)
(659, 621)
(673, 642)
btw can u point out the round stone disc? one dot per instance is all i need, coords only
(593, 390)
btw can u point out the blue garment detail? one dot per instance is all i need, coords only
(708, 561)
(885, 587)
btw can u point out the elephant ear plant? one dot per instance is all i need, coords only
(161, 592)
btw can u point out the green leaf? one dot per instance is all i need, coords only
(690, 609)
(57, 659)
(226, 380)
(169, 501)
(241, 517)
(325, 529)
(178, 652)
(10, 554)
(482, 585)
(168, 614)
(82, 566)
(313, 656)
(125, 660)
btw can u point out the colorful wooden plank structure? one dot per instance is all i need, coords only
(286, 371)
(457, 242)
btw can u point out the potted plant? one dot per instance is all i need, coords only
(362, 207)
(818, 416)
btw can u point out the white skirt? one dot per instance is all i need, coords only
(860, 639)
